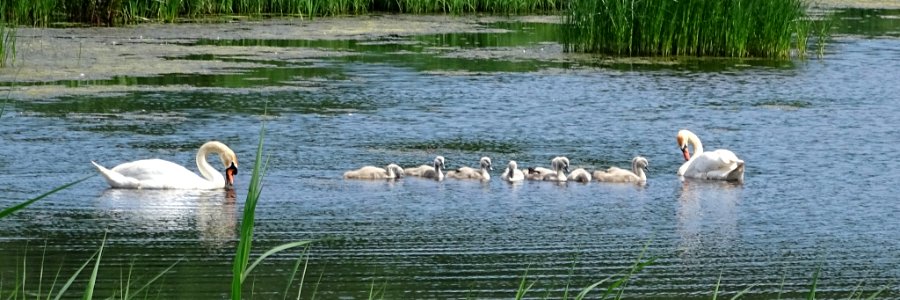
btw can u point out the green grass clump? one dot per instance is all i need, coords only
(7, 44)
(727, 28)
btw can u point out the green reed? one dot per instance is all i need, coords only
(7, 44)
(117, 12)
(730, 28)
(241, 267)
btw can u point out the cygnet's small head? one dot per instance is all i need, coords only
(486, 163)
(439, 162)
(641, 162)
(560, 163)
(398, 171)
(513, 165)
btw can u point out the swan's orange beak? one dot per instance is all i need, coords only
(683, 145)
(229, 175)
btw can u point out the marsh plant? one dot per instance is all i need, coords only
(729, 28)
(116, 12)
(7, 44)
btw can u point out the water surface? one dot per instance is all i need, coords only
(819, 137)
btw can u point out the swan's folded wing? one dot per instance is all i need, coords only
(417, 171)
(116, 180)
(153, 169)
(718, 165)
(465, 173)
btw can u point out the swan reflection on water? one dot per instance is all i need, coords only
(707, 215)
(174, 213)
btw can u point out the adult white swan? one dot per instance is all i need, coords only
(161, 174)
(720, 164)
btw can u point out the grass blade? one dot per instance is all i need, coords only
(738, 295)
(815, 281)
(591, 287)
(15, 208)
(273, 251)
(242, 255)
(138, 291)
(875, 295)
(89, 290)
(520, 293)
(781, 287)
(68, 283)
(718, 282)
(294, 273)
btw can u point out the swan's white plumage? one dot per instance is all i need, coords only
(560, 166)
(579, 175)
(720, 164)
(435, 171)
(161, 174)
(417, 171)
(538, 173)
(472, 173)
(512, 172)
(391, 171)
(614, 174)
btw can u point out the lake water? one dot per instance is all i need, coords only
(820, 138)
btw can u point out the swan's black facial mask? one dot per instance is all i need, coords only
(229, 175)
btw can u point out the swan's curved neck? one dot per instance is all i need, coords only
(695, 143)
(392, 172)
(208, 172)
(638, 170)
(438, 170)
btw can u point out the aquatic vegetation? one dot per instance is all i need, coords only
(7, 44)
(241, 266)
(728, 28)
(778, 103)
(460, 144)
(44, 12)
(9, 210)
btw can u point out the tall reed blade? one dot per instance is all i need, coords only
(242, 255)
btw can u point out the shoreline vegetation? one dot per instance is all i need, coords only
(42, 13)
(726, 28)
(729, 28)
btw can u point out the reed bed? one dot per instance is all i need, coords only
(116, 12)
(727, 28)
